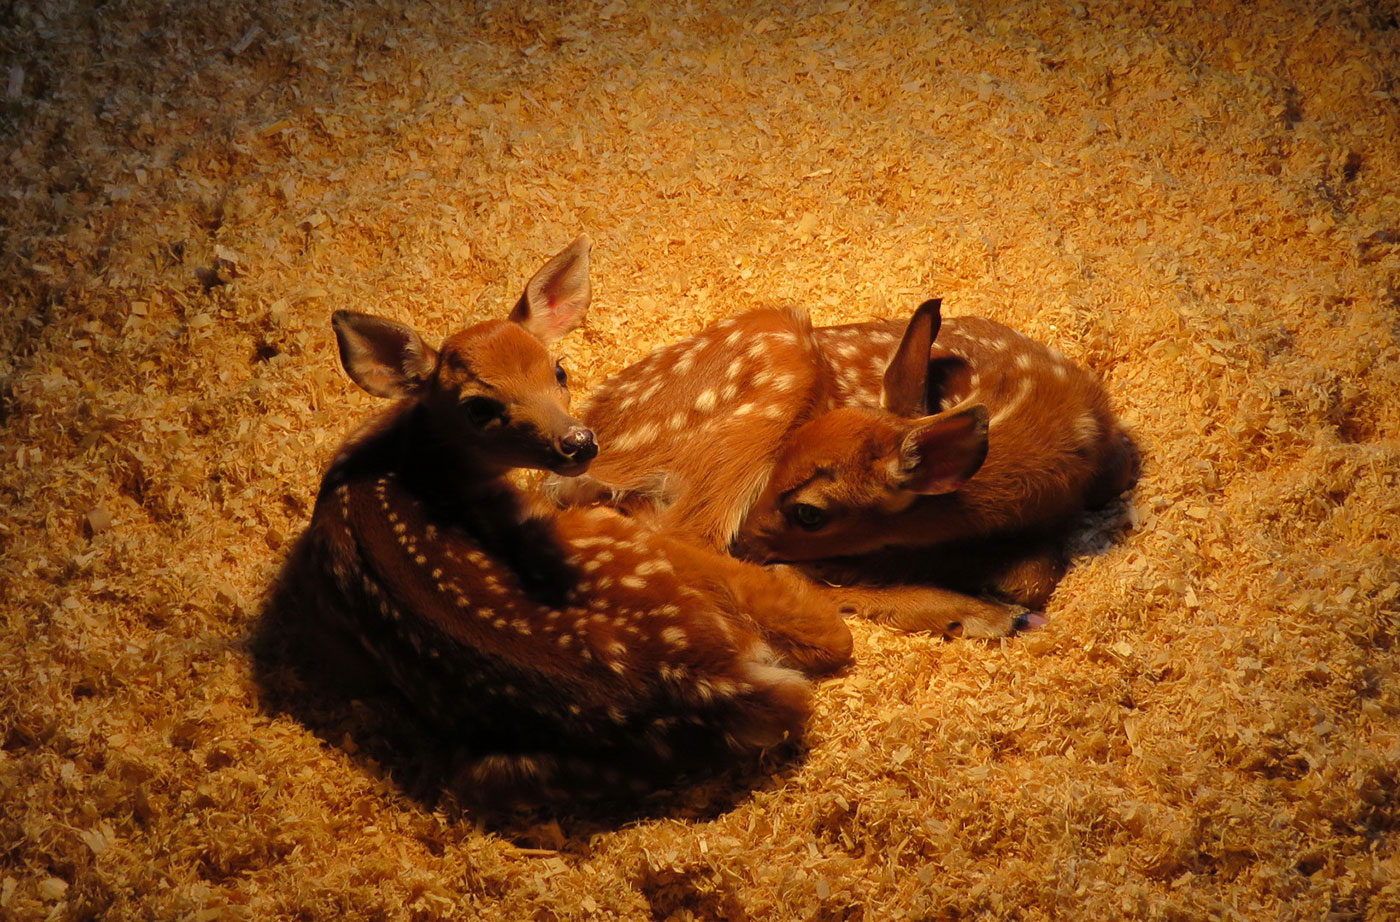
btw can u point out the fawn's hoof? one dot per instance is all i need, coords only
(1028, 621)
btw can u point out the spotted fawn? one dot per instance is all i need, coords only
(569, 652)
(914, 466)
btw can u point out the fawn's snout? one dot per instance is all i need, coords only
(577, 447)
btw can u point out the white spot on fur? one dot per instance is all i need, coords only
(1023, 390)
(706, 401)
(1086, 429)
(634, 438)
(726, 688)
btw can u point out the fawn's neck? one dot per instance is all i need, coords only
(461, 492)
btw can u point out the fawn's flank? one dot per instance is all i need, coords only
(567, 651)
(911, 464)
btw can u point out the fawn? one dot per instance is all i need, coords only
(564, 649)
(905, 464)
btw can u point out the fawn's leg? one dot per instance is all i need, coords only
(929, 608)
(1119, 470)
(942, 589)
(1030, 579)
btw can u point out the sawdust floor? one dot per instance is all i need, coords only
(1200, 201)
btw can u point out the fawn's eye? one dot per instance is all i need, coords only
(482, 411)
(807, 517)
(561, 375)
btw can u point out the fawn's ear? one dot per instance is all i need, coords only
(384, 357)
(941, 453)
(905, 391)
(556, 299)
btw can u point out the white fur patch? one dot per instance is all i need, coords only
(1086, 429)
(1023, 390)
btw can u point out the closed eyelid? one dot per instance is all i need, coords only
(821, 473)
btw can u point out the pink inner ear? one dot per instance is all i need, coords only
(944, 453)
(559, 318)
(556, 298)
(382, 356)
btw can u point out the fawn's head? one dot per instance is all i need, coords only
(841, 477)
(492, 392)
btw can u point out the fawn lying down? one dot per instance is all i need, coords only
(564, 648)
(912, 464)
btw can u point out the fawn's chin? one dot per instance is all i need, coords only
(570, 467)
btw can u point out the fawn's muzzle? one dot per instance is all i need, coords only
(578, 446)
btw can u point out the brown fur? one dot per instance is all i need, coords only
(563, 649)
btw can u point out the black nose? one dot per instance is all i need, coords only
(578, 445)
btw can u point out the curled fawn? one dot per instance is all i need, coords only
(563, 648)
(906, 464)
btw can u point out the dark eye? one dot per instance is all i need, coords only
(482, 411)
(561, 375)
(807, 517)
